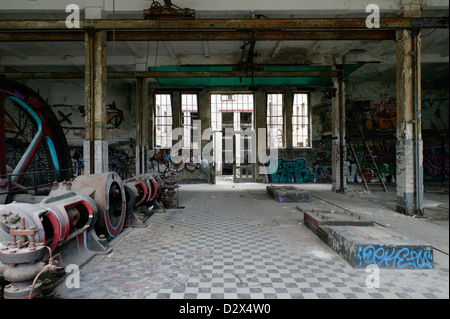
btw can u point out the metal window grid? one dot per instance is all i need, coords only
(275, 119)
(300, 121)
(163, 120)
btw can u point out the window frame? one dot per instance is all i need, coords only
(308, 116)
(156, 125)
(283, 117)
(193, 144)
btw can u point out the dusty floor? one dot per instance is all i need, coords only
(233, 241)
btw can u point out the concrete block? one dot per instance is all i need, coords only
(318, 221)
(361, 246)
(288, 194)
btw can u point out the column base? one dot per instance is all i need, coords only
(141, 159)
(405, 205)
(100, 157)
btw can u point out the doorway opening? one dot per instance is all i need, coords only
(232, 118)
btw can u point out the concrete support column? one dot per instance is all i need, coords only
(204, 112)
(204, 115)
(260, 118)
(151, 124)
(288, 110)
(176, 112)
(409, 169)
(338, 149)
(95, 146)
(142, 127)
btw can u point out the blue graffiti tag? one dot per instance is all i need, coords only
(292, 172)
(395, 258)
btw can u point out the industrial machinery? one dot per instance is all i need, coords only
(141, 191)
(22, 261)
(168, 11)
(49, 218)
(31, 140)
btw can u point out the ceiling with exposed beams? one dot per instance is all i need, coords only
(378, 56)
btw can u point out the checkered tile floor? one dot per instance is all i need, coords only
(227, 244)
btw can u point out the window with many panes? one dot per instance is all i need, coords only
(300, 121)
(275, 119)
(163, 121)
(189, 111)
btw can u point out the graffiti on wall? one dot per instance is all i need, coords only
(380, 115)
(160, 161)
(71, 118)
(394, 257)
(435, 114)
(120, 160)
(322, 151)
(292, 171)
(436, 162)
(384, 114)
(323, 174)
(384, 156)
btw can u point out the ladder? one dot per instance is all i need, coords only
(364, 159)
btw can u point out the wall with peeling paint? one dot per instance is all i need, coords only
(66, 98)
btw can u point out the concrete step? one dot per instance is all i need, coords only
(288, 194)
(362, 246)
(362, 243)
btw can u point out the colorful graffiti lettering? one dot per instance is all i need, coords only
(292, 172)
(395, 258)
(384, 156)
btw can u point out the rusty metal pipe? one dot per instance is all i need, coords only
(48, 267)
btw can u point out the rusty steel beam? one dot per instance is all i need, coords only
(174, 74)
(229, 24)
(43, 75)
(203, 35)
(252, 35)
(222, 74)
(40, 36)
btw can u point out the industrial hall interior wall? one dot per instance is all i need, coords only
(371, 105)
